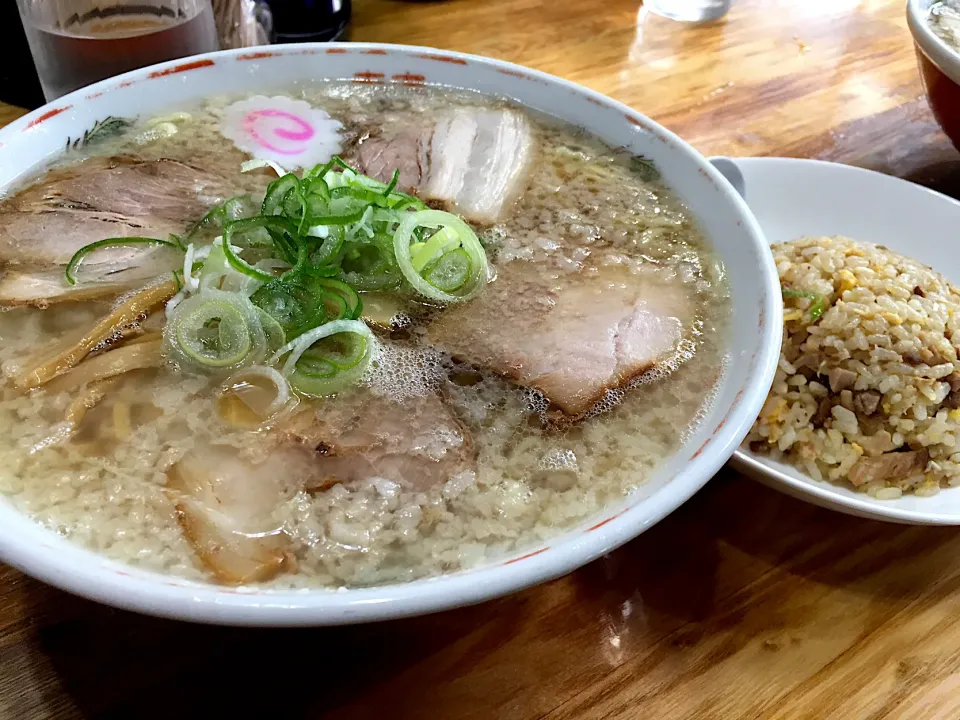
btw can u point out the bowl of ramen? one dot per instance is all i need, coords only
(935, 26)
(331, 333)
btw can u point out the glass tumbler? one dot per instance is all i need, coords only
(689, 10)
(78, 42)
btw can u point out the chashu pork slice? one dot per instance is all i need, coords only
(228, 507)
(101, 281)
(404, 150)
(572, 336)
(41, 288)
(227, 501)
(417, 442)
(42, 227)
(479, 162)
(474, 161)
(46, 223)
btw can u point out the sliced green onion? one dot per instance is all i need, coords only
(218, 274)
(333, 303)
(318, 368)
(329, 249)
(317, 172)
(216, 330)
(272, 330)
(272, 264)
(318, 205)
(451, 227)
(280, 225)
(353, 303)
(80, 255)
(442, 241)
(295, 308)
(393, 183)
(285, 281)
(387, 279)
(241, 265)
(450, 272)
(343, 351)
(236, 208)
(276, 192)
(370, 265)
(363, 230)
(407, 201)
(313, 369)
(300, 300)
(372, 196)
(362, 194)
(338, 161)
(283, 234)
(228, 343)
(348, 217)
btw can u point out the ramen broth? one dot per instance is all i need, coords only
(508, 468)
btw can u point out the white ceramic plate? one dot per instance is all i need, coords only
(795, 198)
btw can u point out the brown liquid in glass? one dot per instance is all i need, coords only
(88, 50)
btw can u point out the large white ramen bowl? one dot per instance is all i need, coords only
(753, 342)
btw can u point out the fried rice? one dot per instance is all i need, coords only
(867, 391)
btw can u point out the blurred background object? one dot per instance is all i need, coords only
(309, 20)
(78, 42)
(689, 10)
(242, 23)
(19, 83)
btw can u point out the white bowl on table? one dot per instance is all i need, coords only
(753, 343)
(796, 198)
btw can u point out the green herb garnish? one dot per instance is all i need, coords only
(818, 303)
(109, 127)
(644, 168)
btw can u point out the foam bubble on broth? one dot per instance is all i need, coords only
(403, 371)
(587, 206)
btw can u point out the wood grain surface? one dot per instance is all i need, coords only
(8, 114)
(743, 604)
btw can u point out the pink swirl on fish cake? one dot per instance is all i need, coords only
(303, 133)
(281, 130)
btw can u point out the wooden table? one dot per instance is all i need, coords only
(743, 604)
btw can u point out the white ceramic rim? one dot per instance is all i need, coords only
(823, 494)
(134, 589)
(939, 53)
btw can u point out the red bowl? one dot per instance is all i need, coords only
(939, 69)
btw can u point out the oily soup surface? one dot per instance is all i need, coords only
(586, 207)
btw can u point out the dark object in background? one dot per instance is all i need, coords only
(309, 20)
(19, 84)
